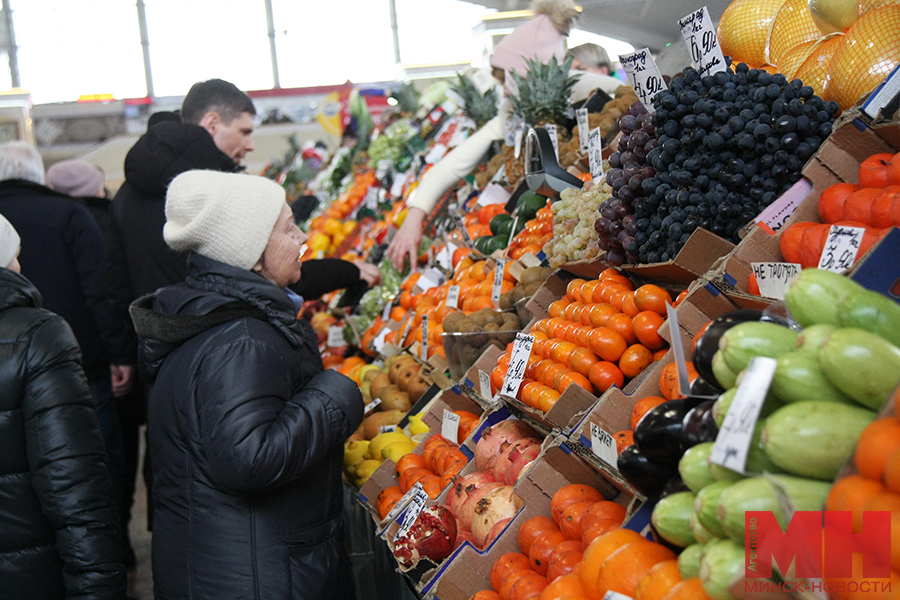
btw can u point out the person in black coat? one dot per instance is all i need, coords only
(60, 535)
(246, 428)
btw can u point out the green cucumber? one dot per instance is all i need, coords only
(721, 406)
(701, 533)
(862, 365)
(756, 493)
(706, 506)
(813, 296)
(758, 461)
(724, 474)
(721, 564)
(872, 312)
(755, 338)
(812, 338)
(689, 561)
(814, 439)
(799, 377)
(694, 468)
(672, 518)
(723, 374)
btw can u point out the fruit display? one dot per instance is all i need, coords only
(501, 224)
(535, 235)
(574, 238)
(529, 283)
(606, 120)
(466, 337)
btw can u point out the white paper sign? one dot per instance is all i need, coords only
(371, 200)
(371, 405)
(445, 257)
(415, 506)
(604, 446)
(484, 382)
(583, 128)
(644, 76)
(518, 362)
(520, 135)
(450, 427)
(774, 277)
(384, 165)
(841, 248)
(498, 282)
(483, 80)
(423, 354)
(883, 94)
(733, 442)
(453, 297)
(335, 337)
(404, 500)
(397, 186)
(702, 43)
(380, 340)
(493, 194)
(387, 429)
(554, 138)
(386, 313)
(449, 106)
(595, 154)
(513, 124)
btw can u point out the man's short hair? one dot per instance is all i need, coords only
(20, 160)
(218, 96)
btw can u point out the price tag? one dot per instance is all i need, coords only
(397, 186)
(493, 194)
(371, 200)
(595, 154)
(450, 427)
(387, 429)
(520, 134)
(512, 235)
(513, 124)
(371, 405)
(423, 354)
(384, 165)
(774, 277)
(449, 106)
(610, 595)
(404, 330)
(883, 94)
(445, 257)
(484, 382)
(583, 128)
(483, 81)
(415, 506)
(380, 340)
(335, 337)
(604, 446)
(841, 248)
(386, 313)
(702, 43)
(498, 282)
(733, 442)
(453, 297)
(644, 76)
(517, 364)
(554, 138)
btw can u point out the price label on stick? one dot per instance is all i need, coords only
(483, 81)
(453, 297)
(335, 337)
(509, 132)
(512, 235)
(702, 43)
(520, 134)
(583, 128)
(684, 381)
(498, 282)
(424, 350)
(371, 405)
(733, 442)
(386, 313)
(450, 427)
(773, 277)
(404, 330)
(518, 362)
(644, 76)
(604, 446)
(415, 506)
(841, 248)
(484, 382)
(554, 138)
(595, 154)
(380, 340)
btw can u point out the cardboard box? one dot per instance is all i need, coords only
(695, 258)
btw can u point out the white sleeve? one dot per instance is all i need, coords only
(588, 82)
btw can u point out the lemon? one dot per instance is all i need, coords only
(380, 441)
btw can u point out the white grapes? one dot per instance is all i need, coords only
(574, 237)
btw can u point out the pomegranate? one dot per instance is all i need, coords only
(499, 504)
(509, 451)
(462, 536)
(432, 536)
(496, 530)
(467, 512)
(488, 448)
(521, 459)
(464, 486)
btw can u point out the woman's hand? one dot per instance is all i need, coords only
(368, 272)
(406, 241)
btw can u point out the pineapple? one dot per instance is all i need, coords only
(408, 98)
(543, 98)
(480, 108)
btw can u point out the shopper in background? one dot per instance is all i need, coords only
(60, 536)
(590, 58)
(63, 255)
(246, 428)
(84, 182)
(541, 38)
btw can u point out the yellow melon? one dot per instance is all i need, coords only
(867, 5)
(744, 29)
(814, 69)
(793, 26)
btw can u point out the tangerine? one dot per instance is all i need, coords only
(634, 360)
(877, 442)
(596, 554)
(604, 375)
(658, 581)
(565, 586)
(689, 589)
(624, 568)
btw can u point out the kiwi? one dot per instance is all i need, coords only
(532, 288)
(469, 354)
(531, 274)
(492, 327)
(507, 300)
(450, 320)
(511, 318)
(487, 315)
(518, 293)
(509, 337)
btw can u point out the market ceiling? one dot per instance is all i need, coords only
(642, 23)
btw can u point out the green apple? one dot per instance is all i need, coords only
(833, 15)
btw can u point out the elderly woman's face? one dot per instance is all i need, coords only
(280, 262)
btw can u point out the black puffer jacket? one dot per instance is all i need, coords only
(60, 534)
(246, 433)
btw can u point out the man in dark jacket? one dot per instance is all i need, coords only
(246, 428)
(60, 528)
(63, 254)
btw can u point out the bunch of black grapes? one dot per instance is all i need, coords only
(727, 146)
(629, 168)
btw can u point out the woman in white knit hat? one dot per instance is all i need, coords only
(246, 428)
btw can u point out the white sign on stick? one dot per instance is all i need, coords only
(702, 42)
(644, 76)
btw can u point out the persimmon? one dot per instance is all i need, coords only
(411, 476)
(506, 564)
(570, 494)
(621, 324)
(604, 509)
(547, 398)
(604, 375)
(628, 306)
(570, 519)
(642, 406)
(623, 439)
(596, 554)
(386, 500)
(573, 290)
(510, 580)
(892, 472)
(432, 486)
(408, 461)
(565, 586)
(608, 291)
(600, 313)
(552, 372)
(652, 297)
(894, 170)
(573, 378)
(532, 529)
(635, 359)
(646, 326)
(811, 243)
(875, 171)
(858, 205)
(563, 562)
(617, 299)
(831, 202)
(573, 311)
(582, 336)
(598, 528)
(877, 442)
(624, 568)
(658, 581)
(541, 549)
(881, 207)
(680, 298)
(528, 587)
(587, 291)
(581, 360)
(562, 351)
(607, 343)
(790, 242)
(558, 308)
(668, 379)
(485, 595)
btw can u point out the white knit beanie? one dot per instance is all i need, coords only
(224, 216)
(9, 242)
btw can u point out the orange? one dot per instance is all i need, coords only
(558, 308)
(658, 581)
(689, 589)
(573, 290)
(541, 549)
(646, 326)
(597, 553)
(531, 529)
(652, 297)
(604, 375)
(570, 494)
(634, 360)
(563, 351)
(566, 586)
(573, 378)
(546, 400)
(397, 313)
(851, 492)
(581, 360)
(621, 324)
(506, 564)
(608, 344)
(624, 568)
(892, 472)
(877, 442)
(642, 406)
(600, 313)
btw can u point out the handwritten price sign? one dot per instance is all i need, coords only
(841, 248)
(644, 76)
(518, 362)
(595, 154)
(702, 42)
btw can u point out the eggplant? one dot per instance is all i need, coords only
(658, 434)
(646, 476)
(673, 486)
(703, 387)
(698, 425)
(707, 344)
